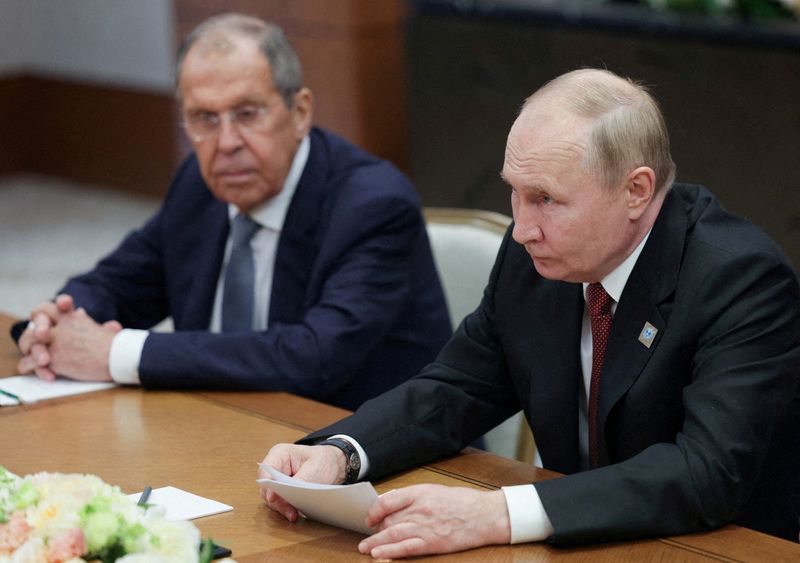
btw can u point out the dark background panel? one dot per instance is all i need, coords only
(729, 95)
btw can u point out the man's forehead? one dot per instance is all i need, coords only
(213, 74)
(543, 132)
(223, 43)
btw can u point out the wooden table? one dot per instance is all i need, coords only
(209, 443)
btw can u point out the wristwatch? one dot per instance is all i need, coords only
(350, 454)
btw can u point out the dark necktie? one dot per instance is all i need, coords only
(600, 313)
(237, 294)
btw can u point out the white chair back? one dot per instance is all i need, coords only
(465, 244)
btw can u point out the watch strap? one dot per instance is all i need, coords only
(353, 460)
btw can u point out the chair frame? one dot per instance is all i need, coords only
(490, 220)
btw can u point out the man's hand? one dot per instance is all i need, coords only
(425, 519)
(78, 348)
(316, 464)
(34, 339)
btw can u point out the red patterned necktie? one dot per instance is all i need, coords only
(600, 314)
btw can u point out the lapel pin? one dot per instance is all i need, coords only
(648, 334)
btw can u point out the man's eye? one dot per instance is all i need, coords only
(547, 200)
(204, 117)
(247, 115)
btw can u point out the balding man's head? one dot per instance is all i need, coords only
(223, 34)
(627, 130)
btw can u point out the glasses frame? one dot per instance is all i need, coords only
(238, 117)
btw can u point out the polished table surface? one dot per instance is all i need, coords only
(210, 442)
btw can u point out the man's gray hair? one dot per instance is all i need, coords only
(628, 130)
(287, 75)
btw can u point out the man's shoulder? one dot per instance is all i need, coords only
(350, 173)
(720, 234)
(187, 188)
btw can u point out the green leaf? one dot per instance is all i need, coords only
(206, 551)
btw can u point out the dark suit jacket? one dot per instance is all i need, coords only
(356, 305)
(698, 430)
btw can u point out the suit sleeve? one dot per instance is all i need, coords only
(438, 412)
(368, 256)
(742, 346)
(128, 284)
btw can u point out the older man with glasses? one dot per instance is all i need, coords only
(287, 258)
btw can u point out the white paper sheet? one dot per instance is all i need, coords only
(182, 505)
(30, 388)
(344, 506)
(7, 401)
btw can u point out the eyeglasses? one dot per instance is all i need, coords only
(204, 124)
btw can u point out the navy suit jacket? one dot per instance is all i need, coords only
(356, 305)
(698, 430)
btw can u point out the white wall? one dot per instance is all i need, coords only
(127, 43)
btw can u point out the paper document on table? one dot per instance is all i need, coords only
(7, 400)
(344, 506)
(182, 505)
(29, 388)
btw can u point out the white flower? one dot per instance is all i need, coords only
(177, 541)
(57, 517)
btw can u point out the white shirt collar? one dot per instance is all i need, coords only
(615, 281)
(272, 213)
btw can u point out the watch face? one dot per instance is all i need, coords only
(355, 462)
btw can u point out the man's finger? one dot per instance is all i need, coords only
(42, 323)
(40, 355)
(278, 504)
(45, 373)
(398, 541)
(64, 303)
(26, 364)
(26, 340)
(388, 503)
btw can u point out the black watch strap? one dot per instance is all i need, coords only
(350, 454)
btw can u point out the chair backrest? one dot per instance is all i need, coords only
(465, 244)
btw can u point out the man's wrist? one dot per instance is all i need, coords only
(352, 458)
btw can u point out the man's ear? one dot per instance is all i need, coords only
(303, 112)
(640, 190)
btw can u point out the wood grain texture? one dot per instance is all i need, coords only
(210, 444)
(9, 356)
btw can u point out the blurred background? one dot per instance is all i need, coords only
(89, 132)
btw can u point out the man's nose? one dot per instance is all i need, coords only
(229, 138)
(527, 227)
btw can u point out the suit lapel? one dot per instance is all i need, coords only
(645, 299)
(214, 225)
(555, 373)
(298, 245)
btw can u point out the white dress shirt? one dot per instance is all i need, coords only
(527, 516)
(127, 346)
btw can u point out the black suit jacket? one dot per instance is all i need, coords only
(356, 305)
(697, 430)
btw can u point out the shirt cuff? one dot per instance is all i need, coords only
(361, 454)
(125, 355)
(529, 521)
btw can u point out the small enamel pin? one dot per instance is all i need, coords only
(648, 334)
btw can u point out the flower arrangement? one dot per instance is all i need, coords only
(72, 518)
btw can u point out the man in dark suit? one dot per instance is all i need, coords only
(331, 294)
(651, 337)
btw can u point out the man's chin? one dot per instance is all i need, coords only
(244, 196)
(548, 269)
